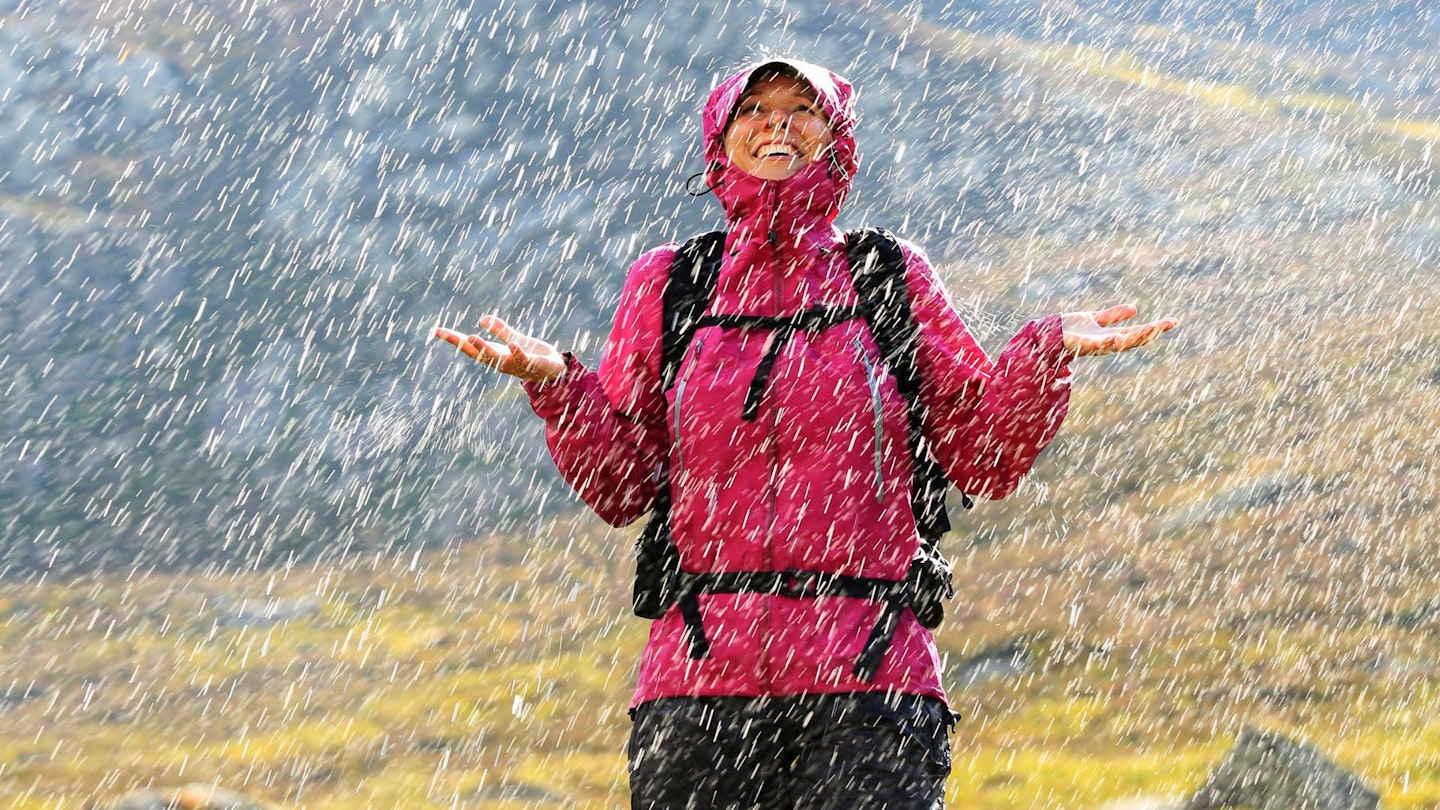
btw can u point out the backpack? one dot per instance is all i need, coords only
(877, 267)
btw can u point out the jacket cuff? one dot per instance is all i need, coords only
(553, 396)
(1047, 336)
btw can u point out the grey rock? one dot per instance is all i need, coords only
(1009, 660)
(144, 800)
(1267, 771)
(189, 797)
(514, 792)
(16, 694)
(265, 613)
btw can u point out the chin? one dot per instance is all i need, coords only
(784, 172)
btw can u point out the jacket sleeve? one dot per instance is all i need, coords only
(606, 430)
(986, 421)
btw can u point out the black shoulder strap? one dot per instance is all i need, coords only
(877, 264)
(687, 293)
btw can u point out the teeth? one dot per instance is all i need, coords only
(778, 150)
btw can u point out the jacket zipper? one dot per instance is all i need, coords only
(679, 395)
(774, 438)
(877, 405)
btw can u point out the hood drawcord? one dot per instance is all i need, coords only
(689, 185)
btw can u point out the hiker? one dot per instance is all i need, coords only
(759, 406)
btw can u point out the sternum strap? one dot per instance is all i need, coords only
(810, 320)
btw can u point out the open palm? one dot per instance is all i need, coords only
(1089, 334)
(531, 359)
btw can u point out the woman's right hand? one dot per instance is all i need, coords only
(1090, 334)
(530, 359)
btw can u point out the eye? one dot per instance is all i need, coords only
(811, 113)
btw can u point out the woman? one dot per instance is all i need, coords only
(811, 477)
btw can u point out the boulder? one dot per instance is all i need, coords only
(1145, 803)
(1266, 771)
(143, 800)
(189, 797)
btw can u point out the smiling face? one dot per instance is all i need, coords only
(778, 129)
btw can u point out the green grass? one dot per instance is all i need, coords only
(457, 689)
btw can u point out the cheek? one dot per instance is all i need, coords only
(819, 140)
(816, 131)
(736, 137)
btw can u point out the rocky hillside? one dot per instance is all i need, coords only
(228, 228)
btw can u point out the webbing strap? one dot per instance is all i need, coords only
(794, 583)
(799, 584)
(810, 320)
(689, 603)
(884, 633)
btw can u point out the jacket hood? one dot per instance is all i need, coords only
(820, 187)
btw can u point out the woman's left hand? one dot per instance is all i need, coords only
(531, 359)
(1089, 334)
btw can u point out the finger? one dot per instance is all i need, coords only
(497, 327)
(450, 336)
(467, 344)
(491, 354)
(1136, 336)
(1116, 339)
(520, 358)
(1115, 314)
(1161, 326)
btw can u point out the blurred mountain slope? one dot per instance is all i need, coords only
(227, 229)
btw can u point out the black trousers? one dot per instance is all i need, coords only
(837, 752)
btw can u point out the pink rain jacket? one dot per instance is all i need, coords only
(808, 485)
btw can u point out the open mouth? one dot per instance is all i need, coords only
(780, 150)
